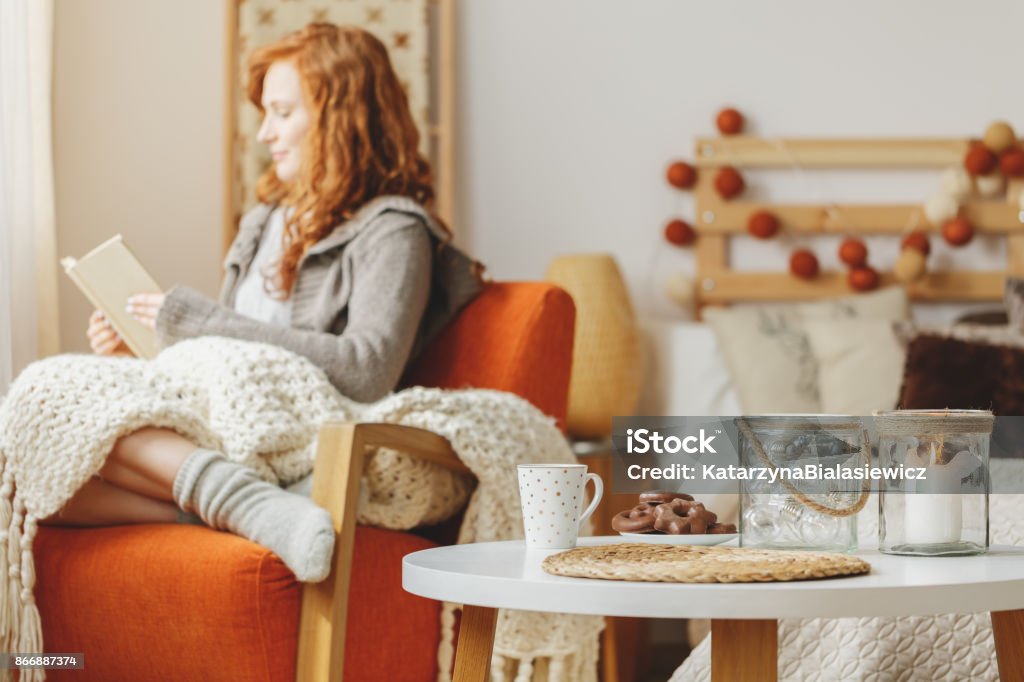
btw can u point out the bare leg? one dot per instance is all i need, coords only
(98, 503)
(135, 484)
(226, 495)
(146, 461)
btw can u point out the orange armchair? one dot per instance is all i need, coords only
(180, 602)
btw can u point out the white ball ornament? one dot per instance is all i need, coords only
(956, 182)
(940, 208)
(990, 185)
(679, 288)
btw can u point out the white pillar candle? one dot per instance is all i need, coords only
(932, 518)
(933, 514)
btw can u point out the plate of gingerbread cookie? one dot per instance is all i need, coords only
(666, 539)
(672, 518)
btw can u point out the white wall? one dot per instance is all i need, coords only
(138, 125)
(570, 111)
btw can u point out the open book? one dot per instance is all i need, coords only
(108, 275)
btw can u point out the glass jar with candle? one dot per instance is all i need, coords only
(939, 506)
(802, 490)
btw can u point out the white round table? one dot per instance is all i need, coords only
(492, 575)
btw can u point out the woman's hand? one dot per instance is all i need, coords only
(145, 308)
(102, 338)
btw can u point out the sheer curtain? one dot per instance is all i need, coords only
(28, 273)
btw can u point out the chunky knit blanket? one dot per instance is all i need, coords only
(947, 648)
(263, 406)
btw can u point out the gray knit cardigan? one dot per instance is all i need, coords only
(367, 297)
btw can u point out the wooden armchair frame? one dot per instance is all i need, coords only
(340, 457)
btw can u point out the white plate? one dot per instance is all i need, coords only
(708, 539)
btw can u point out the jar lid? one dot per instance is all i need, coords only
(928, 422)
(806, 422)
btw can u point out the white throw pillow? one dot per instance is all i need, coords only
(860, 364)
(768, 353)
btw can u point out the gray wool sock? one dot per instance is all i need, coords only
(229, 496)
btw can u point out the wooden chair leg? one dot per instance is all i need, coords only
(341, 453)
(476, 640)
(324, 615)
(1008, 633)
(744, 650)
(610, 651)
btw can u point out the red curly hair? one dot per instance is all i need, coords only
(362, 142)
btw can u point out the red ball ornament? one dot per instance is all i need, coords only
(853, 252)
(803, 264)
(763, 224)
(979, 160)
(863, 278)
(958, 231)
(681, 175)
(1011, 163)
(728, 182)
(680, 233)
(917, 240)
(729, 121)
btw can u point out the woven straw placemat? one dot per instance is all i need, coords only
(689, 564)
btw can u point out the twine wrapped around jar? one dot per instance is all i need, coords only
(933, 422)
(798, 423)
(607, 362)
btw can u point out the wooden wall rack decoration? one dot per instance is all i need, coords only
(717, 221)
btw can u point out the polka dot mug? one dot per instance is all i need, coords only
(552, 497)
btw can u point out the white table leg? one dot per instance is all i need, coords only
(744, 650)
(476, 639)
